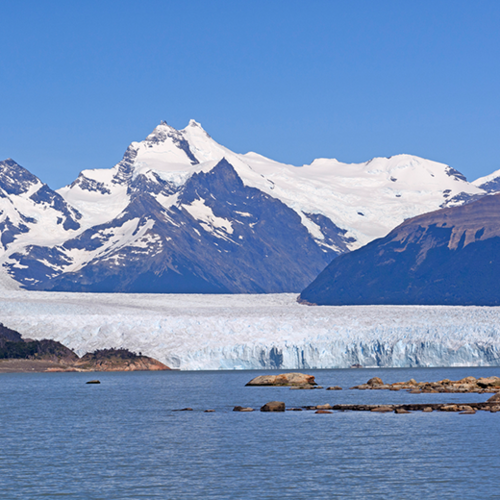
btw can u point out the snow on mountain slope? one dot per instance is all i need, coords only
(253, 215)
(30, 212)
(219, 236)
(490, 183)
(211, 332)
(367, 199)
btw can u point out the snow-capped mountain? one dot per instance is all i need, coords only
(30, 212)
(366, 199)
(181, 213)
(219, 237)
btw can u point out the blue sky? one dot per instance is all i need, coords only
(291, 80)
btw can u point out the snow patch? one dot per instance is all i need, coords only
(209, 221)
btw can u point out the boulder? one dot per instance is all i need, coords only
(495, 397)
(324, 407)
(274, 406)
(382, 409)
(468, 380)
(242, 408)
(449, 408)
(428, 409)
(283, 379)
(374, 381)
(334, 388)
(466, 408)
(488, 382)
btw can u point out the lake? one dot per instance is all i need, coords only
(62, 438)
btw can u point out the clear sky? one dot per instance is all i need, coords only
(292, 80)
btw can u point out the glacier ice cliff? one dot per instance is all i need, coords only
(214, 332)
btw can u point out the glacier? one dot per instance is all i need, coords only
(227, 332)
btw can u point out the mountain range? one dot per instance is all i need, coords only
(181, 213)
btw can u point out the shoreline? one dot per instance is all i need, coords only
(46, 366)
(32, 366)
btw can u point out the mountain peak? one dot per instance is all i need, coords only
(162, 126)
(10, 162)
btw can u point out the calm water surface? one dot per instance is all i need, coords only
(61, 438)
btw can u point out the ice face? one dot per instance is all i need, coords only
(213, 332)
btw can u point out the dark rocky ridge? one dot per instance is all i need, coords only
(447, 257)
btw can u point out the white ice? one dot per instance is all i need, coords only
(212, 332)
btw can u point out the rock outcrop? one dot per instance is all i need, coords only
(275, 406)
(465, 385)
(242, 408)
(284, 379)
(110, 360)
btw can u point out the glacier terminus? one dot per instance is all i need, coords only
(225, 332)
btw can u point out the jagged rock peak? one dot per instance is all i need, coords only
(163, 126)
(161, 133)
(15, 179)
(9, 162)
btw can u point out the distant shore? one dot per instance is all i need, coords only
(31, 365)
(47, 366)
